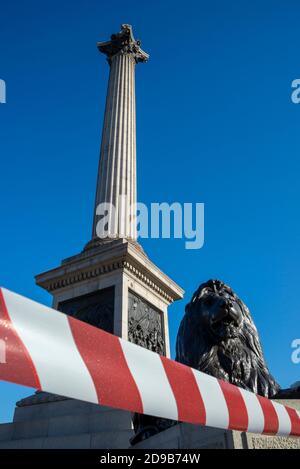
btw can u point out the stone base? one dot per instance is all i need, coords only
(186, 436)
(46, 421)
(65, 423)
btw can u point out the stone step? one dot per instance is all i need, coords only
(56, 409)
(100, 440)
(73, 424)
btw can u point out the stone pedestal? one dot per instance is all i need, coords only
(186, 436)
(44, 421)
(116, 287)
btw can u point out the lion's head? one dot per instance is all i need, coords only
(218, 337)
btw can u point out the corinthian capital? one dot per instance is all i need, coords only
(123, 43)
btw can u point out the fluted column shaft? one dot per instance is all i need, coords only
(116, 182)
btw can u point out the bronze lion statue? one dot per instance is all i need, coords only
(218, 336)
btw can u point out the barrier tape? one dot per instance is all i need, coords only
(53, 352)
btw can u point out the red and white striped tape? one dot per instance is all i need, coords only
(48, 350)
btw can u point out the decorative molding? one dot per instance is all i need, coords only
(96, 271)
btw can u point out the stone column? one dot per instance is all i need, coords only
(116, 183)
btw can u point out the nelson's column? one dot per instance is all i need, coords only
(111, 284)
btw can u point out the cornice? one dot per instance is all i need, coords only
(122, 256)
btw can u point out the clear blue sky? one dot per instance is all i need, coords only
(215, 125)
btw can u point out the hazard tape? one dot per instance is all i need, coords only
(53, 352)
